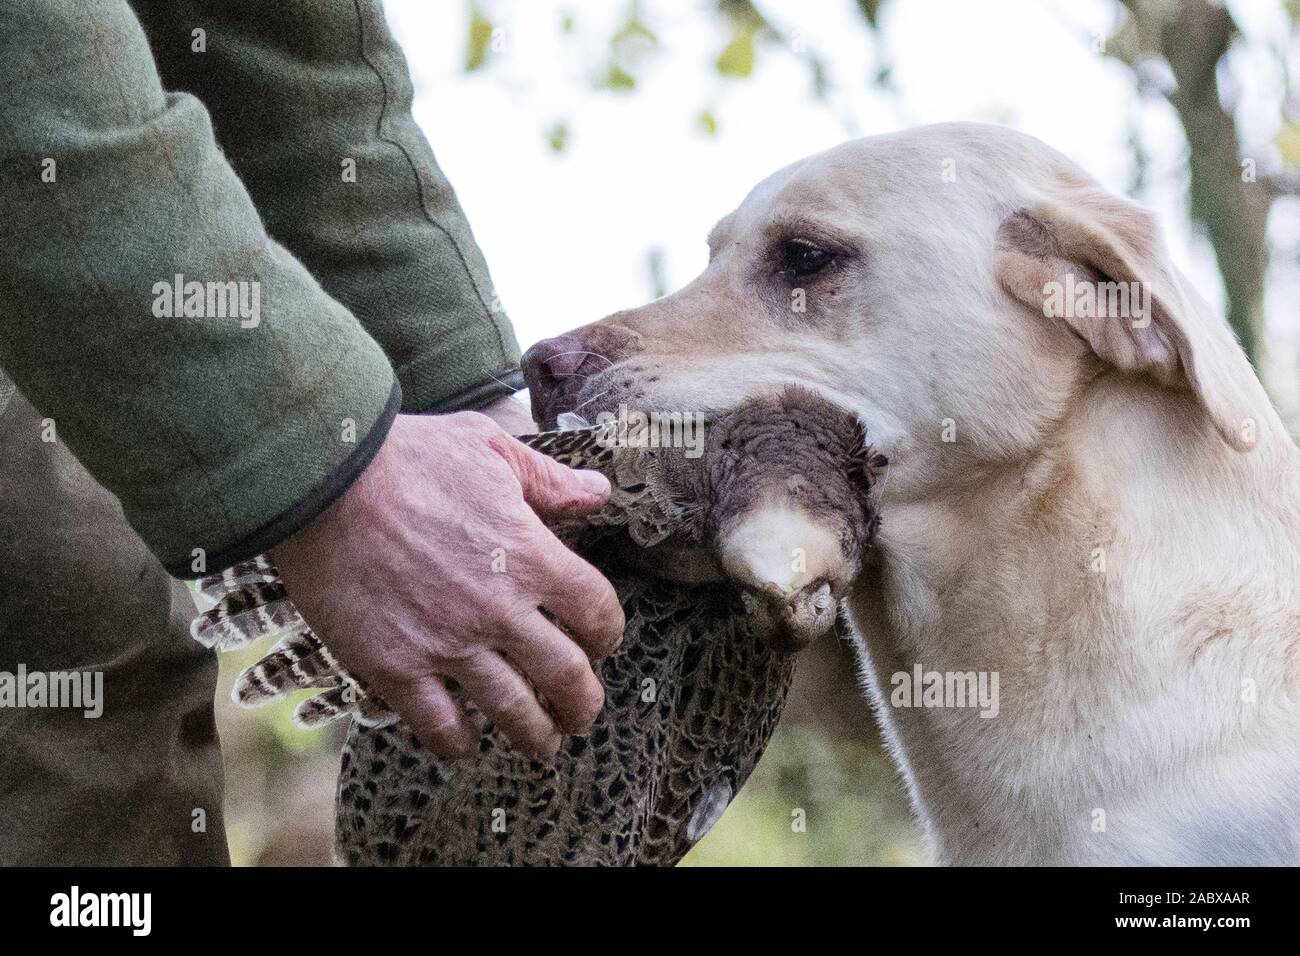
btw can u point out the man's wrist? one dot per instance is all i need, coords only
(512, 415)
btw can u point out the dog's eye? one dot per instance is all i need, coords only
(800, 258)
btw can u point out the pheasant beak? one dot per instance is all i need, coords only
(791, 620)
(789, 565)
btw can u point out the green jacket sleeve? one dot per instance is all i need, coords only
(190, 362)
(311, 101)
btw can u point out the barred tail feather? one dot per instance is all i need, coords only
(348, 700)
(298, 661)
(257, 570)
(243, 616)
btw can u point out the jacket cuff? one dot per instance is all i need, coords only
(500, 385)
(297, 516)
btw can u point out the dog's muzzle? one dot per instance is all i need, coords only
(556, 370)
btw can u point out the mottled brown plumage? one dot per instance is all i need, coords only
(693, 693)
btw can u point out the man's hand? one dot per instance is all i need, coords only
(433, 565)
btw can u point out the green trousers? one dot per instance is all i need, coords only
(80, 593)
(149, 149)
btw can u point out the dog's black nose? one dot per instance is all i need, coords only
(552, 360)
(553, 371)
(556, 370)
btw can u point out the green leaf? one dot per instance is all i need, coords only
(617, 78)
(634, 30)
(480, 39)
(870, 9)
(707, 122)
(1288, 144)
(557, 137)
(737, 58)
(743, 15)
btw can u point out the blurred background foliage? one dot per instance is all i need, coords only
(1238, 178)
(1174, 48)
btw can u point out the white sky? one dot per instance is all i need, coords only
(567, 234)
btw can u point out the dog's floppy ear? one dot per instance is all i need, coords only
(1051, 256)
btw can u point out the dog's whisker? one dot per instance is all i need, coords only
(607, 359)
(594, 398)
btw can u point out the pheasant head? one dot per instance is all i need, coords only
(782, 501)
(791, 509)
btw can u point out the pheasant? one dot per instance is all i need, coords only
(726, 564)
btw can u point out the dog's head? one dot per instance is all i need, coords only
(908, 278)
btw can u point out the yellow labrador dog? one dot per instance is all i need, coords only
(1080, 627)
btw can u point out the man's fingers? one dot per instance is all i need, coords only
(560, 671)
(435, 717)
(582, 600)
(549, 487)
(502, 694)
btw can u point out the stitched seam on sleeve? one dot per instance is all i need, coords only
(415, 172)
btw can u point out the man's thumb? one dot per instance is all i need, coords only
(552, 488)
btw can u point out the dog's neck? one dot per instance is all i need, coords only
(1134, 593)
